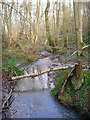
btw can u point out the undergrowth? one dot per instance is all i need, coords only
(22, 56)
(61, 74)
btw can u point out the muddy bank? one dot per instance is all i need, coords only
(7, 98)
(5, 92)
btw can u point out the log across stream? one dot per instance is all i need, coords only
(32, 98)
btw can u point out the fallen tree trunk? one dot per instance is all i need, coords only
(82, 49)
(46, 71)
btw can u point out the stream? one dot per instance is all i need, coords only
(32, 98)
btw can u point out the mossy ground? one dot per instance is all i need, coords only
(73, 98)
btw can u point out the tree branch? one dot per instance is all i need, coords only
(66, 80)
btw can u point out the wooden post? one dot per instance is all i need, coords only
(77, 79)
(48, 80)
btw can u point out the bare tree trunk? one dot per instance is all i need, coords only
(4, 20)
(70, 28)
(54, 25)
(78, 42)
(51, 43)
(54, 15)
(30, 19)
(15, 26)
(21, 25)
(21, 20)
(88, 11)
(64, 26)
(85, 17)
(80, 21)
(37, 20)
(25, 20)
(57, 23)
(10, 43)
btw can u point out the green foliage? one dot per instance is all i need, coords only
(49, 38)
(62, 51)
(67, 98)
(57, 88)
(20, 55)
(30, 58)
(82, 94)
(11, 67)
(61, 75)
(86, 39)
(36, 58)
(82, 54)
(82, 43)
(86, 75)
(6, 54)
(71, 39)
(51, 43)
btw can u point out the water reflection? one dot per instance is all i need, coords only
(40, 82)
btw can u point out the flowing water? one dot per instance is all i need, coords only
(32, 98)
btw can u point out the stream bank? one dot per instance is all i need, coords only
(32, 98)
(25, 86)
